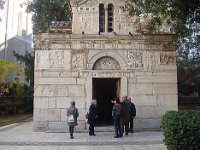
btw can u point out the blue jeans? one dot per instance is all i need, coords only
(117, 125)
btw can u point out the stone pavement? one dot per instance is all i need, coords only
(19, 136)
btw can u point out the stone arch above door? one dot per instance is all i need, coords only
(106, 55)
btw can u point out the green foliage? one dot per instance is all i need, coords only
(6, 68)
(46, 11)
(182, 129)
(18, 90)
(188, 73)
(183, 16)
(28, 61)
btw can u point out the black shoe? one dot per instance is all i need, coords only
(71, 137)
(93, 134)
(116, 136)
(131, 131)
(121, 135)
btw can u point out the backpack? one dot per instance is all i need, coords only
(71, 119)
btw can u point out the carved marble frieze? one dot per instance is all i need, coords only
(152, 60)
(167, 59)
(86, 22)
(41, 44)
(78, 60)
(61, 26)
(56, 59)
(106, 63)
(169, 46)
(135, 59)
(106, 74)
(61, 42)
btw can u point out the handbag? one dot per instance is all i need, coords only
(71, 119)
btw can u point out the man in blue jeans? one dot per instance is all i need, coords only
(116, 112)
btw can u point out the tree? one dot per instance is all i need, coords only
(6, 69)
(46, 11)
(183, 16)
(27, 61)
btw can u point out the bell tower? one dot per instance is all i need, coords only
(101, 17)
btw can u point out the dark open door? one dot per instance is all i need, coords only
(104, 90)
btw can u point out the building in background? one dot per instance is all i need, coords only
(15, 29)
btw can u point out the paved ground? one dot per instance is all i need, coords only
(21, 137)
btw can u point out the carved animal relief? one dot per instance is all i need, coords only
(78, 61)
(56, 59)
(135, 59)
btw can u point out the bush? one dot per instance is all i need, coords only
(182, 129)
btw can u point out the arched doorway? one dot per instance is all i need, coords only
(104, 90)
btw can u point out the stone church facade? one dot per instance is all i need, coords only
(102, 56)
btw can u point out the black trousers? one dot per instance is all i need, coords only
(91, 129)
(131, 119)
(71, 130)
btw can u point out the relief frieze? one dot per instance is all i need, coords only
(167, 59)
(169, 46)
(41, 45)
(135, 59)
(78, 61)
(151, 61)
(86, 74)
(95, 44)
(56, 59)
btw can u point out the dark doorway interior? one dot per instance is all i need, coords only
(104, 90)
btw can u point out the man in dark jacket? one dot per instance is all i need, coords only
(92, 117)
(132, 115)
(124, 115)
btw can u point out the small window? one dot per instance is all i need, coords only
(101, 18)
(110, 17)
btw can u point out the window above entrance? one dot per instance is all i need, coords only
(106, 18)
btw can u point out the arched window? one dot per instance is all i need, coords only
(101, 18)
(110, 17)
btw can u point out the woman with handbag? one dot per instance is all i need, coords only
(72, 113)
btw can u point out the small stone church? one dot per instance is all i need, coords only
(102, 54)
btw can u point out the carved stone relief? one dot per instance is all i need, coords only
(41, 45)
(86, 22)
(167, 59)
(57, 59)
(151, 61)
(134, 59)
(107, 74)
(168, 46)
(78, 61)
(106, 63)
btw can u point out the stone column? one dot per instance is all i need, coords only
(106, 20)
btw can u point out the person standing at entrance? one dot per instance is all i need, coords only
(72, 113)
(124, 115)
(116, 112)
(92, 117)
(132, 115)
